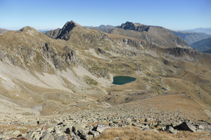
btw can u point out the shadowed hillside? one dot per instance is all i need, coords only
(202, 45)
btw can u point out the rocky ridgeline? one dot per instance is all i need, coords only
(91, 124)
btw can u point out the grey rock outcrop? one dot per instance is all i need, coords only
(134, 26)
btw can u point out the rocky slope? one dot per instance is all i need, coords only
(71, 70)
(191, 37)
(202, 45)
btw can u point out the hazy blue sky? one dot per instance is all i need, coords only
(50, 14)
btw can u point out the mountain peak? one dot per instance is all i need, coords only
(26, 28)
(63, 33)
(134, 26)
(29, 30)
(70, 25)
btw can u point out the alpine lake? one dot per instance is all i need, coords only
(121, 80)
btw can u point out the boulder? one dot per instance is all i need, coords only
(36, 136)
(101, 51)
(172, 130)
(77, 127)
(60, 137)
(101, 128)
(30, 134)
(83, 134)
(16, 133)
(94, 133)
(186, 126)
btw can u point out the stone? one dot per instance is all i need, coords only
(201, 127)
(36, 136)
(50, 129)
(94, 133)
(155, 130)
(123, 124)
(16, 133)
(67, 129)
(113, 125)
(77, 127)
(101, 128)
(128, 120)
(83, 133)
(89, 137)
(60, 137)
(101, 51)
(30, 134)
(76, 138)
(46, 136)
(58, 131)
(3, 137)
(115, 121)
(171, 130)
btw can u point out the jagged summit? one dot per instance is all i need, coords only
(66, 29)
(63, 33)
(152, 34)
(134, 26)
(69, 25)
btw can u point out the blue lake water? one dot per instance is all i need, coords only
(121, 80)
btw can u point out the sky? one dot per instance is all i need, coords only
(51, 14)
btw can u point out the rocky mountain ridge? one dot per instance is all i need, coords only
(153, 34)
(70, 70)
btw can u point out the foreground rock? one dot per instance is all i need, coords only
(88, 125)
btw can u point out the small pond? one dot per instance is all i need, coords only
(121, 80)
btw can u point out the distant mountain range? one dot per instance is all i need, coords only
(44, 31)
(104, 28)
(203, 45)
(191, 37)
(200, 30)
(2, 30)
